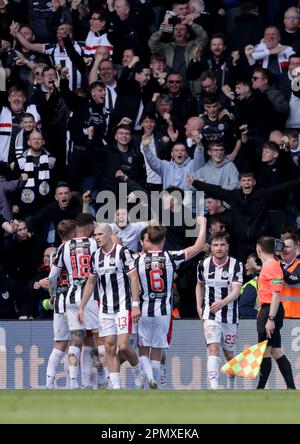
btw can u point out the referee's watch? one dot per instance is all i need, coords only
(271, 318)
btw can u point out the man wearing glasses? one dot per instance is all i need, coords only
(97, 36)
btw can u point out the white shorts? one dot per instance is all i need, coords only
(60, 327)
(153, 331)
(90, 316)
(113, 324)
(220, 333)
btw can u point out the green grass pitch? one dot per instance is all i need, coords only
(148, 407)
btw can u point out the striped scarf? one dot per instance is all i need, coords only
(38, 181)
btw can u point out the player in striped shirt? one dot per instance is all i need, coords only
(66, 231)
(75, 256)
(156, 273)
(113, 265)
(219, 282)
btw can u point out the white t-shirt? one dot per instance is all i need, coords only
(130, 235)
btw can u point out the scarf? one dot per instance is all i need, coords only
(38, 182)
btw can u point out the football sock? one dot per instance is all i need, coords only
(146, 365)
(86, 365)
(265, 370)
(156, 370)
(53, 363)
(213, 371)
(285, 368)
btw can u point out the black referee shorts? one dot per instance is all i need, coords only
(262, 319)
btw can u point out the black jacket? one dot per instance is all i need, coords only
(250, 212)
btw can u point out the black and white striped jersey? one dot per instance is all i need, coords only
(156, 274)
(75, 256)
(112, 269)
(217, 285)
(59, 56)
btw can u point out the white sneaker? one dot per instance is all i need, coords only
(153, 384)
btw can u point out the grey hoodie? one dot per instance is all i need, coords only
(173, 174)
(224, 174)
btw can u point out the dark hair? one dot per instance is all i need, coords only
(296, 56)
(17, 89)
(156, 233)
(95, 84)
(143, 232)
(218, 35)
(210, 99)
(172, 189)
(26, 116)
(207, 75)
(265, 73)
(267, 244)
(62, 183)
(217, 142)
(272, 146)
(246, 174)
(84, 219)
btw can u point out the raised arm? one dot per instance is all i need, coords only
(200, 241)
(14, 30)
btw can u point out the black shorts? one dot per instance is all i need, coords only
(262, 319)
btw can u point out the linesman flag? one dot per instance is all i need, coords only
(247, 363)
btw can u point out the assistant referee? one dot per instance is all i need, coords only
(271, 314)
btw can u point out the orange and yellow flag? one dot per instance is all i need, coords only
(247, 363)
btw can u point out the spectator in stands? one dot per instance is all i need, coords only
(180, 51)
(219, 170)
(249, 27)
(87, 110)
(38, 164)
(21, 143)
(290, 35)
(7, 189)
(129, 232)
(249, 207)
(183, 103)
(40, 287)
(174, 172)
(65, 206)
(217, 61)
(98, 36)
(21, 60)
(209, 85)
(248, 305)
(271, 54)
(130, 26)
(108, 159)
(218, 124)
(7, 296)
(23, 259)
(56, 51)
(133, 94)
(10, 120)
(262, 80)
(108, 75)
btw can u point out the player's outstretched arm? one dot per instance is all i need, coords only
(200, 241)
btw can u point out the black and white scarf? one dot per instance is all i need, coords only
(38, 182)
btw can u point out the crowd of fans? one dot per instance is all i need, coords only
(162, 95)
